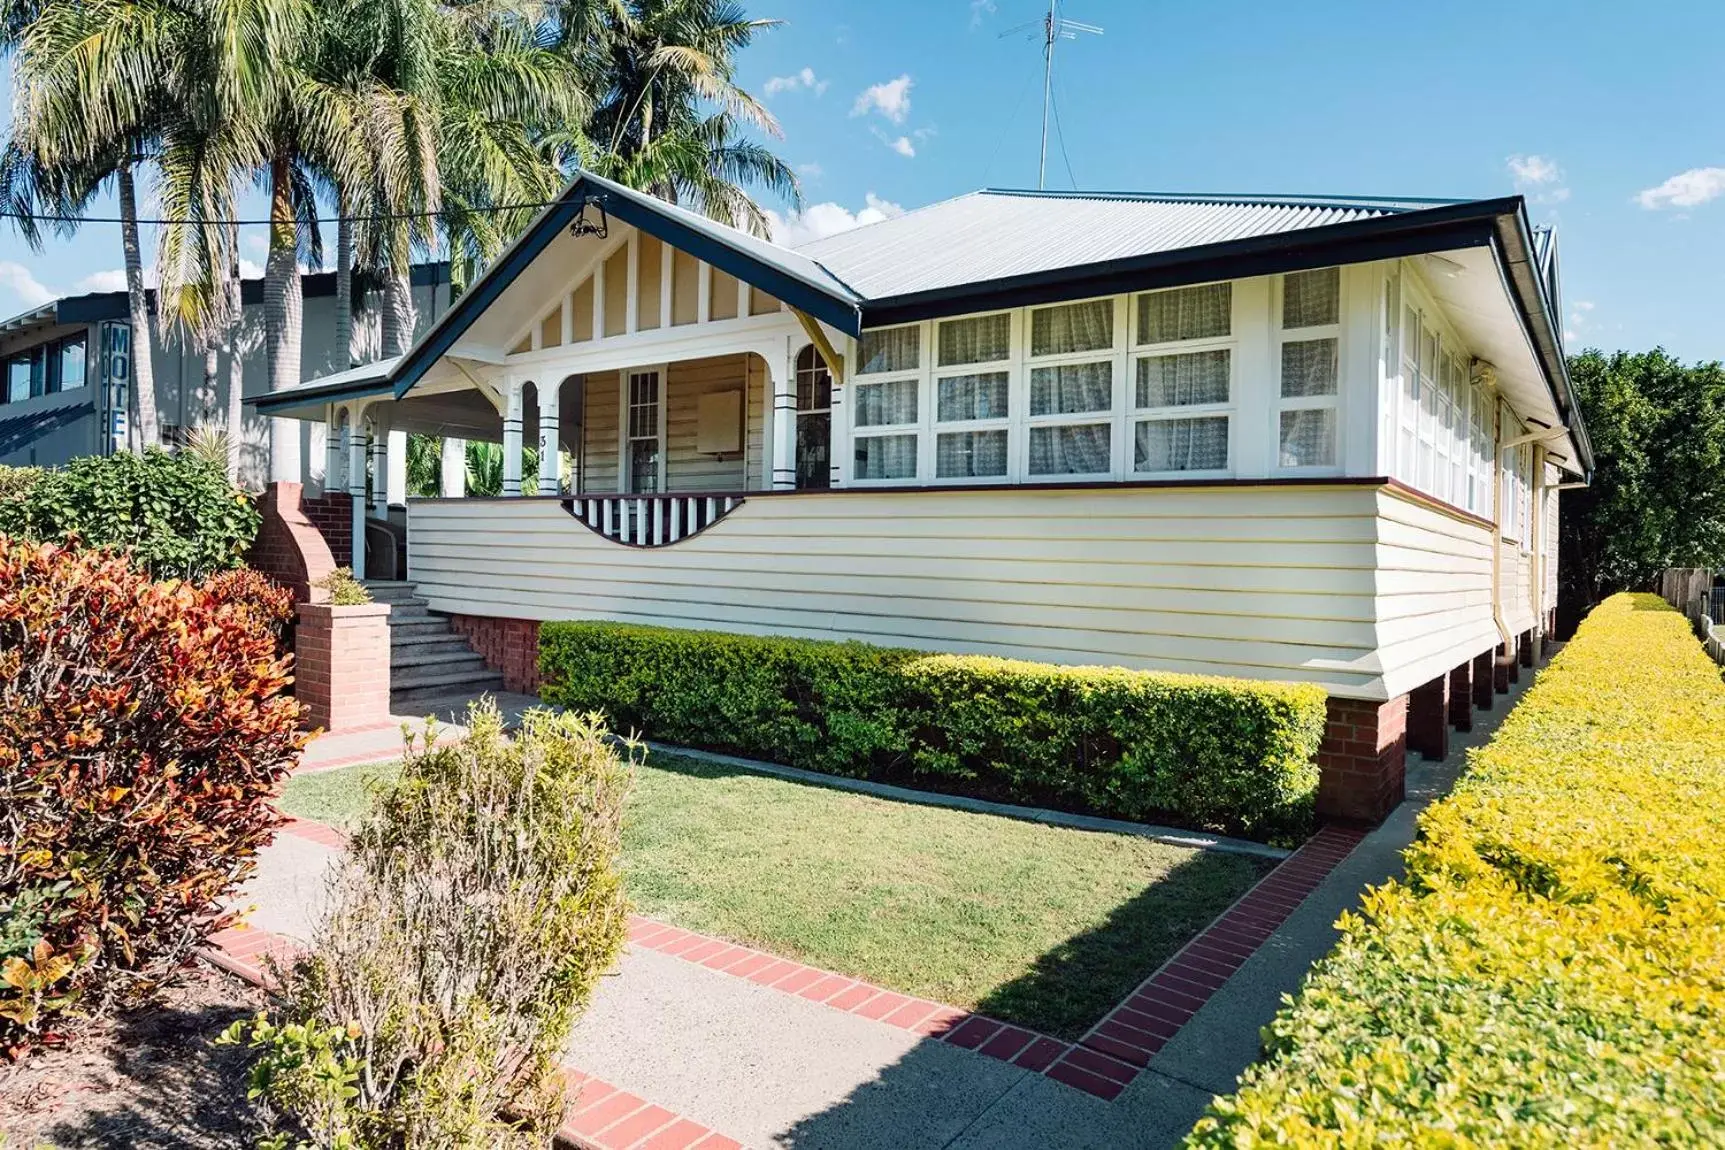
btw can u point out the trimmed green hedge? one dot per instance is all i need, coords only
(1551, 972)
(1227, 754)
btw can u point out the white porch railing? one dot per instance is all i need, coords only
(651, 520)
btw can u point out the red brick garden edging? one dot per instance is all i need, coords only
(1102, 1063)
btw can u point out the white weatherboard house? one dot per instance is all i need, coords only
(1269, 437)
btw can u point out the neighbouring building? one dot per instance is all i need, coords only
(1276, 437)
(66, 370)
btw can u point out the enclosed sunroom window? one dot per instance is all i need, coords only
(1183, 380)
(972, 389)
(885, 436)
(1310, 365)
(1070, 417)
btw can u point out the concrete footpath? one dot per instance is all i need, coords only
(680, 1046)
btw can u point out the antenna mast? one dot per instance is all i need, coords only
(1054, 27)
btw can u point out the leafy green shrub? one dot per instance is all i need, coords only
(1549, 972)
(1214, 751)
(16, 482)
(143, 734)
(344, 590)
(474, 911)
(831, 707)
(1224, 753)
(175, 515)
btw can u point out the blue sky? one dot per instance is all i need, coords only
(1605, 114)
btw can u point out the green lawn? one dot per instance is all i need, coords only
(1037, 925)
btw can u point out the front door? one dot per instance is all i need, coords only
(814, 420)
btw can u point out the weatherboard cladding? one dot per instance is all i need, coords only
(991, 235)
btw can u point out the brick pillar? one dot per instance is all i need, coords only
(1483, 679)
(288, 547)
(1461, 697)
(1502, 668)
(1428, 718)
(341, 665)
(1362, 762)
(1527, 648)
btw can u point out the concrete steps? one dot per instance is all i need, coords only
(428, 661)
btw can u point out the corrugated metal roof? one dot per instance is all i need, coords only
(995, 234)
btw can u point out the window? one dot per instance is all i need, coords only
(1183, 380)
(642, 455)
(1310, 363)
(971, 406)
(1508, 428)
(69, 364)
(1389, 375)
(20, 374)
(1070, 409)
(885, 412)
(814, 420)
(1407, 440)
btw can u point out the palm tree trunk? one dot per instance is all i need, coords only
(398, 311)
(143, 336)
(283, 306)
(344, 284)
(231, 349)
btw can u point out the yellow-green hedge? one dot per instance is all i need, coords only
(1551, 972)
(1228, 754)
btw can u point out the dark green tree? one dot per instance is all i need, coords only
(1657, 499)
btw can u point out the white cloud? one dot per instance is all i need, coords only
(980, 10)
(1688, 189)
(109, 279)
(804, 78)
(1584, 305)
(1538, 178)
(811, 170)
(899, 144)
(254, 241)
(249, 270)
(17, 279)
(1533, 170)
(826, 219)
(891, 99)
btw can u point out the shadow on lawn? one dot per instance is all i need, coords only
(1075, 983)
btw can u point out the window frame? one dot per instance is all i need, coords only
(1281, 336)
(1017, 340)
(1133, 414)
(859, 380)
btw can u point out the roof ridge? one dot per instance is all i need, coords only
(1299, 199)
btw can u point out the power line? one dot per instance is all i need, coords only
(380, 217)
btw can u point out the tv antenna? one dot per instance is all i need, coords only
(1054, 28)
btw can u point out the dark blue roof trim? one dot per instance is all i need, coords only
(1385, 237)
(329, 394)
(468, 306)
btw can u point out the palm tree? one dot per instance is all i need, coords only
(671, 116)
(74, 138)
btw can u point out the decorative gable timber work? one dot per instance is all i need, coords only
(638, 284)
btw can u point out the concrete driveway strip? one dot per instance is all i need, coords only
(770, 1068)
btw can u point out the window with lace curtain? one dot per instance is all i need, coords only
(885, 417)
(972, 385)
(1182, 380)
(1070, 417)
(1309, 358)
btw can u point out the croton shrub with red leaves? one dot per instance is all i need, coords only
(144, 732)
